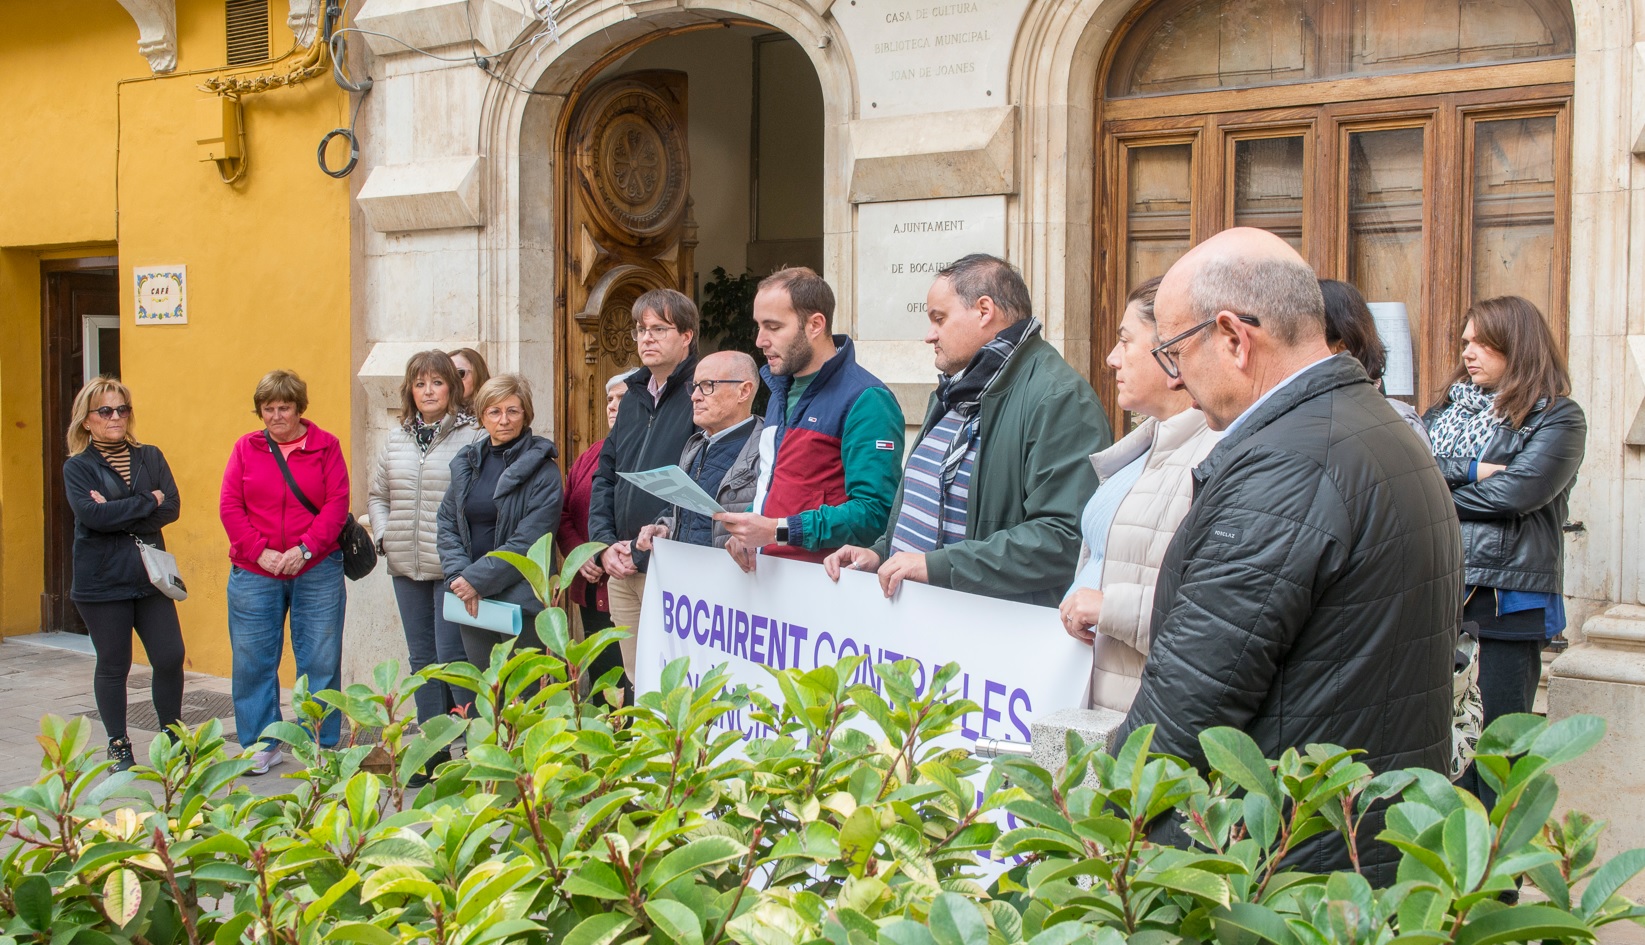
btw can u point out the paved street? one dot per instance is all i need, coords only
(51, 673)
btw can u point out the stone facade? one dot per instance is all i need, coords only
(456, 224)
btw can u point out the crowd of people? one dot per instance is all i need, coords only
(1275, 545)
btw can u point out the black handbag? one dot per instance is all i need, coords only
(359, 555)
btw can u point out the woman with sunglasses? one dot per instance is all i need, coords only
(122, 493)
(1509, 440)
(472, 371)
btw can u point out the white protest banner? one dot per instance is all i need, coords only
(1016, 661)
(672, 485)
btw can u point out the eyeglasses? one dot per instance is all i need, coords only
(1168, 358)
(498, 413)
(109, 413)
(655, 331)
(706, 388)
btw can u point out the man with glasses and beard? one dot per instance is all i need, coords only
(831, 450)
(653, 423)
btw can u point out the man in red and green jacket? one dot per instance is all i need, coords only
(831, 450)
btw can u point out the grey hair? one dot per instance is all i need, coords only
(980, 274)
(1283, 293)
(617, 380)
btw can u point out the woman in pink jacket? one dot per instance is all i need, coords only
(284, 548)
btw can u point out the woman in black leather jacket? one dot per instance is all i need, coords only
(1509, 440)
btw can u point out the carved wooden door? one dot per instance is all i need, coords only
(629, 230)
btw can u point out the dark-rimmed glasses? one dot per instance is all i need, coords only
(706, 387)
(109, 413)
(1168, 359)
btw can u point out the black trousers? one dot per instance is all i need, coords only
(110, 624)
(1509, 671)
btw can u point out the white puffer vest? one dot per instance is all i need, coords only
(406, 490)
(1142, 529)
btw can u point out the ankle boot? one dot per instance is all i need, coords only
(120, 754)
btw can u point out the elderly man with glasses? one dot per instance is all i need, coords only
(1312, 593)
(653, 423)
(723, 456)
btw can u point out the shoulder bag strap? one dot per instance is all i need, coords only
(285, 470)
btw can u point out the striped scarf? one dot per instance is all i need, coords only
(962, 392)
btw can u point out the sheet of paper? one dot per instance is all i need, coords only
(1399, 378)
(672, 485)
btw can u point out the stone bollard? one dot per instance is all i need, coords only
(1049, 747)
(1604, 675)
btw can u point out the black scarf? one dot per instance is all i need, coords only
(962, 392)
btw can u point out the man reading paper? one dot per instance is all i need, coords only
(722, 457)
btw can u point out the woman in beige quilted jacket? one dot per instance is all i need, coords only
(1146, 485)
(406, 489)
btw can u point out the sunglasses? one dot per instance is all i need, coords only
(462, 372)
(109, 413)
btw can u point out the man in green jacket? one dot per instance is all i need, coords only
(991, 496)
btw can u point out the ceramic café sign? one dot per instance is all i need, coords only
(162, 296)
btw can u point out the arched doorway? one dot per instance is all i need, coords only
(1419, 150)
(694, 161)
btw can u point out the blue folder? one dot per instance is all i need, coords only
(495, 615)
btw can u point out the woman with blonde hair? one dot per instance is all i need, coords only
(505, 494)
(410, 482)
(1146, 484)
(472, 371)
(122, 493)
(283, 504)
(1509, 440)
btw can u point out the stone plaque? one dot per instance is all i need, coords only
(902, 245)
(915, 56)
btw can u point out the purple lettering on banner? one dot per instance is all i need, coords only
(756, 645)
(717, 636)
(965, 720)
(699, 622)
(919, 679)
(1022, 696)
(816, 652)
(848, 647)
(990, 714)
(779, 646)
(682, 616)
(739, 633)
(797, 635)
(668, 613)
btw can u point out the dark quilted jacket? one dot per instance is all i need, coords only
(1312, 594)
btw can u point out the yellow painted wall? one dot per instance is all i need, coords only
(267, 258)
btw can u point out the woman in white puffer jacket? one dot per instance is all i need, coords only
(406, 490)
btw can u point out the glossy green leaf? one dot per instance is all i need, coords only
(956, 920)
(601, 929)
(1523, 923)
(676, 921)
(1234, 754)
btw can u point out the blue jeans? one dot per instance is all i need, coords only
(429, 639)
(257, 611)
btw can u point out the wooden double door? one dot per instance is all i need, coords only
(628, 230)
(1430, 201)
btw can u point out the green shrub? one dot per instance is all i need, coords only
(569, 820)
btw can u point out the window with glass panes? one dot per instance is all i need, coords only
(1420, 150)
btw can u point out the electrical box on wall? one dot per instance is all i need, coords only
(217, 129)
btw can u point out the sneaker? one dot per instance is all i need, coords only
(120, 754)
(262, 761)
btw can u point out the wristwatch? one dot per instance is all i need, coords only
(782, 531)
(307, 554)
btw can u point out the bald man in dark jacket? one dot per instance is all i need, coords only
(1313, 592)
